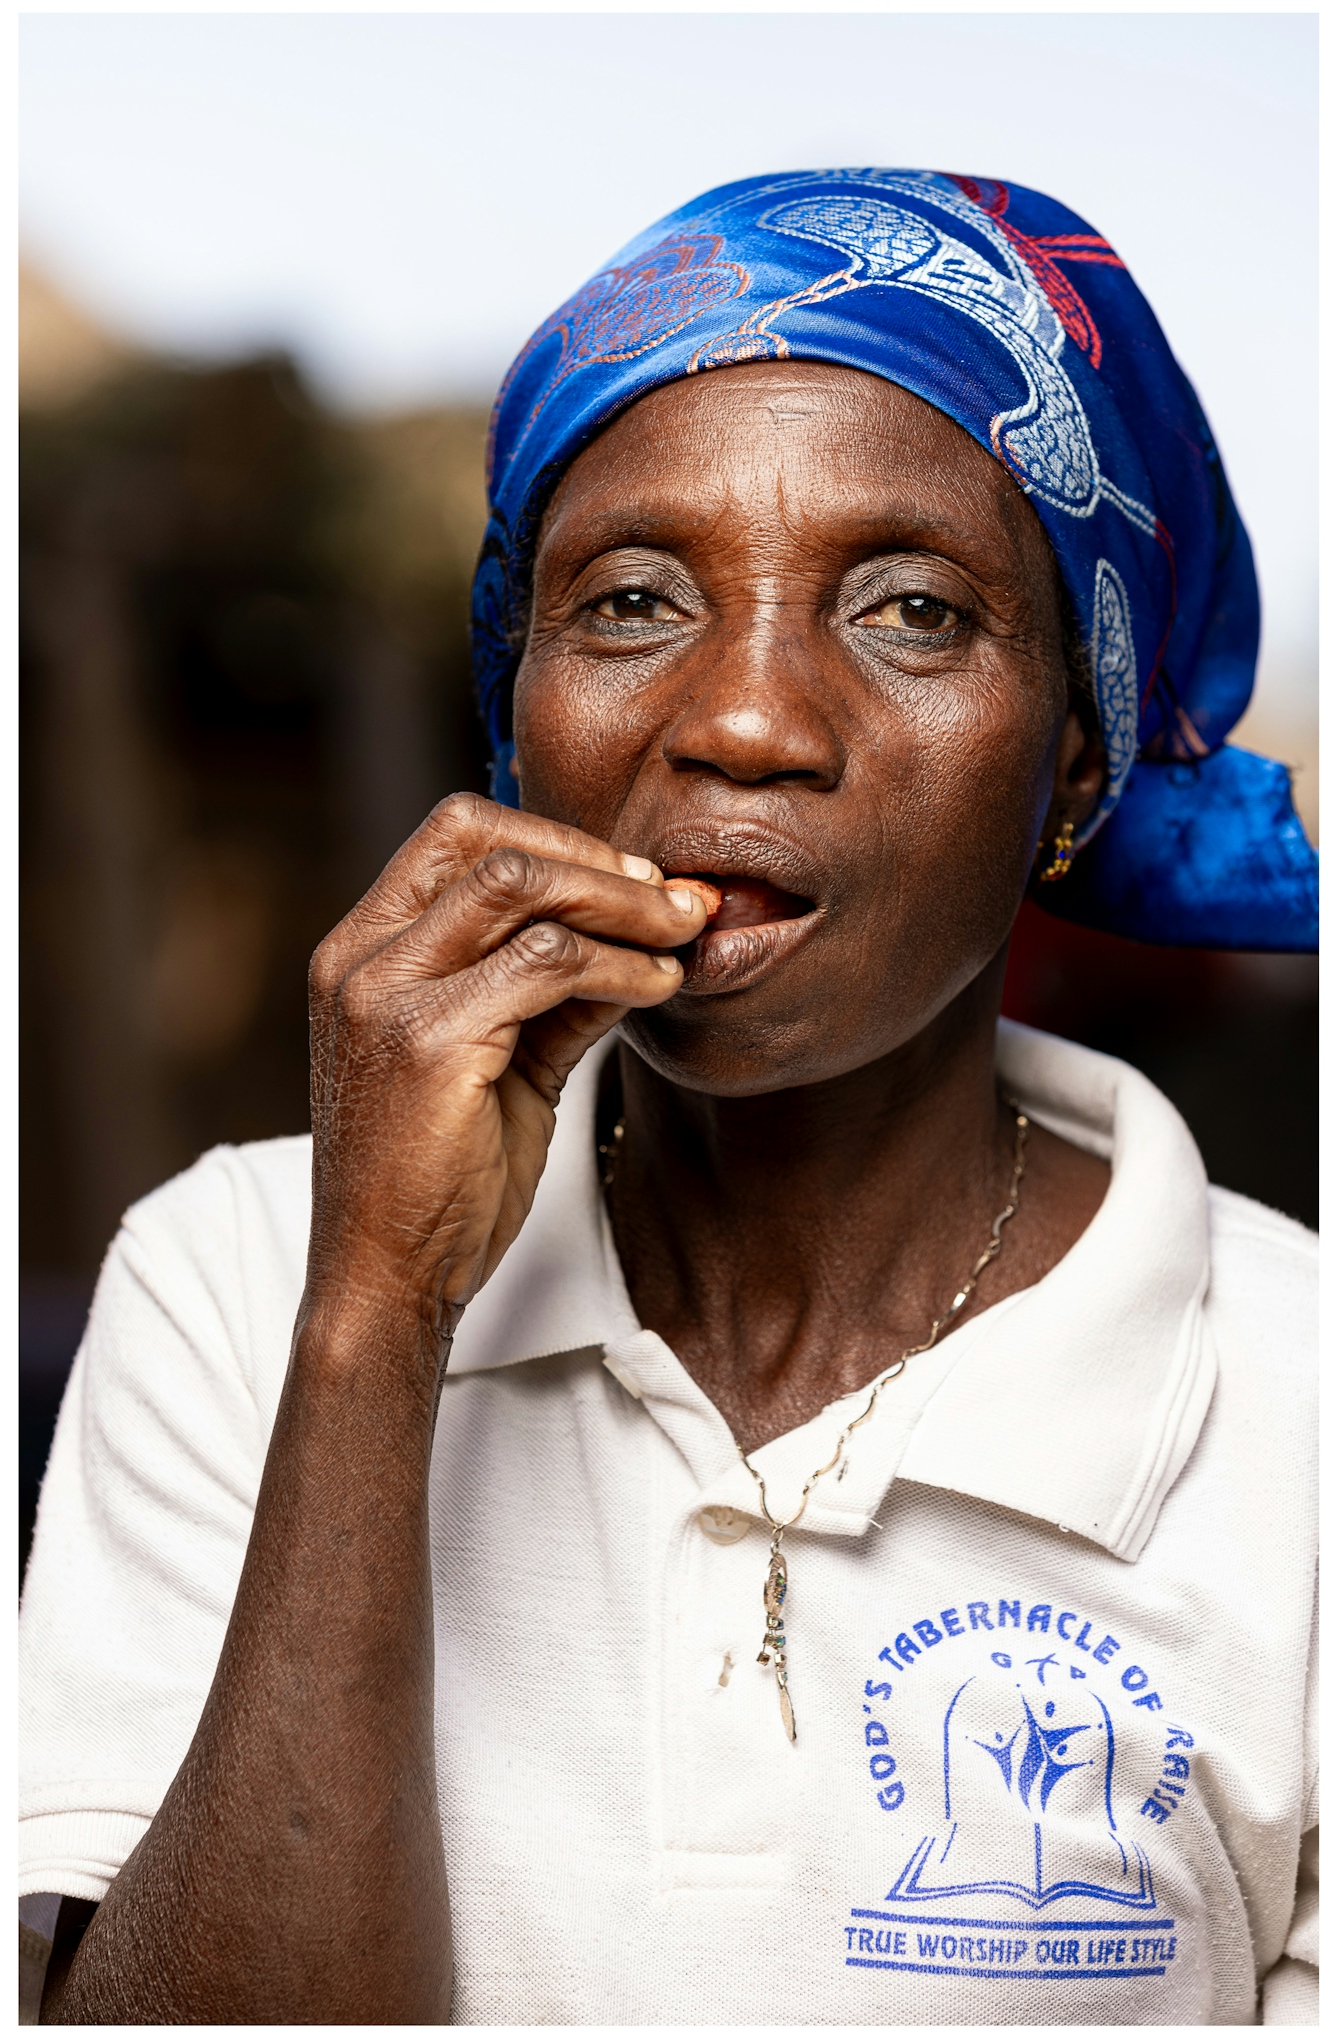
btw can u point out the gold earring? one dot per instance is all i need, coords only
(1063, 856)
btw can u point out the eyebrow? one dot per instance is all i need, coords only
(637, 525)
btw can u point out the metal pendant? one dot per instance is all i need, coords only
(773, 1642)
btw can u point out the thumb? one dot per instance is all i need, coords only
(550, 1046)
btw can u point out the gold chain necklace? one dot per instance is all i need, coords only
(774, 1649)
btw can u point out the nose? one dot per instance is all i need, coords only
(756, 710)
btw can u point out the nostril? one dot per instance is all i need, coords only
(775, 740)
(738, 776)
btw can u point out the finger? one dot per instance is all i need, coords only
(465, 828)
(527, 1129)
(534, 973)
(510, 888)
(549, 1047)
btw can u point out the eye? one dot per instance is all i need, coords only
(633, 605)
(923, 613)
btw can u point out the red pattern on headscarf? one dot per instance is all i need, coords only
(1042, 255)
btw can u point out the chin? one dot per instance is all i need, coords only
(720, 1048)
(771, 1035)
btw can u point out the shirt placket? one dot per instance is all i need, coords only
(726, 1762)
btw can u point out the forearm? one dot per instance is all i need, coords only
(294, 1873)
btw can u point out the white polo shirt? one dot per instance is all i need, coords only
(1050, 1634)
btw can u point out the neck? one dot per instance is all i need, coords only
(788, 1246)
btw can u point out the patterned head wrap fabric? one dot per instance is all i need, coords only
(1008, 313)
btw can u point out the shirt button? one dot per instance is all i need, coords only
(724, 1525)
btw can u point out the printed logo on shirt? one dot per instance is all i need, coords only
(1017, 1849)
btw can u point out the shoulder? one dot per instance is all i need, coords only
(1254, 1227)
(270, 1177)
(1263, 1288)
(250, 1199)
(1258, 1252)
(216, 1258)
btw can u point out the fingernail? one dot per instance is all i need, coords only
(642, 868)
(681, 897)
(665, 962)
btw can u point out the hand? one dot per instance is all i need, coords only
(447, 1012)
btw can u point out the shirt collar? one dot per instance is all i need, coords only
(1076, 1401)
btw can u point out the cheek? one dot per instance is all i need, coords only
(960, 784)
(576, 759)
(975, 759)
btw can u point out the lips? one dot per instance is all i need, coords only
(734, 900)
(756, 922)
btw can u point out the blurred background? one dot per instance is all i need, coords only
(273, 269)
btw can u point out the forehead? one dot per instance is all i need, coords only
(827, 446)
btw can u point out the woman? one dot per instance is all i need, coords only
(816, 1527)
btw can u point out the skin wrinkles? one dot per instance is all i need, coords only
(917, 773)
(814, 1148)
(755, 539)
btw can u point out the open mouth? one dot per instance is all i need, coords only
(734, 901)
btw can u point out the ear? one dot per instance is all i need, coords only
(1080, 769)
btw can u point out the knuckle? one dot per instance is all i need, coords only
(325, 972)
(506, 875)
(547, 945)
(359, 1000)
(458, 812)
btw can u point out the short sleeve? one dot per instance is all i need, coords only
(147, 1503)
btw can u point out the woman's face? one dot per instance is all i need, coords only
(793, 630)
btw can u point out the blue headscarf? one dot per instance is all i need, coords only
(1008, 313)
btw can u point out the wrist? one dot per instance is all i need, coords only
(374, 1335)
